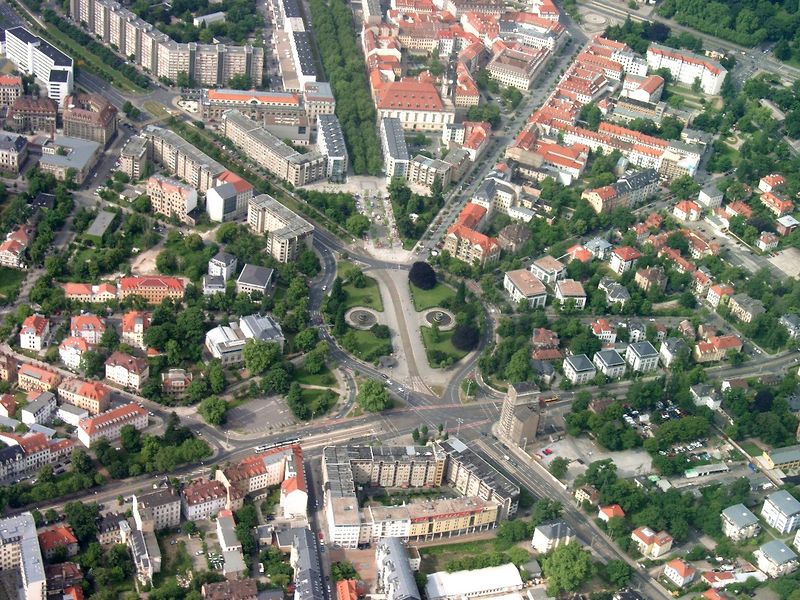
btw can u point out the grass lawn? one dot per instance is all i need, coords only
(10, 281)
(444, 346)
(425, 299)
(313, 396)
(325, 377)
(365, 345)
(436, 558)
(752, 448)
(368, 296)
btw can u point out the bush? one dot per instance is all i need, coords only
(465, 337)
(422, 275)
(381, 331)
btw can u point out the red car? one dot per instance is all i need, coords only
(547, 451)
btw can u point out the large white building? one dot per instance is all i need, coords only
(226, 342)
(20, 551)
(478, 583)
(686, 67)
(781, 511)
(34, 56)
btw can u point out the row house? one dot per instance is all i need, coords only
(109, 424)
(90, 294)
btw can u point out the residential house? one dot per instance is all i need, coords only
(12, 250)
(704, 394)
(572, 291)
(87, 326)
(612, 511)
(642, 357)
(710, 197)
(604, 330)
(651, 278)
(90, 294)
(745, 308)
(127, 371)
(609, 363)
(781, 511)
(623, 259)
(61, 536)
(777, 204)
(134, 324)
(739, 523)
(203, 499)
(578, 369)
(791, 322)
(548, 536)
(650, 544)
(34, 333)
(767, 241)
(587, 493)
(599, 248)
(671, 349)
(769, 183)
(716, 348)
(523, 285)
(776, 559)
(175, 382)
(223, 265)
(8, 406)
(71, 351)
(679, 572)
(242, 589)
(108, 533)
(718, 293)
(687, 210)
(616, 293)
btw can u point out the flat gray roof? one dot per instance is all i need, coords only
(395, 138)
(79, 153)
(101, 223)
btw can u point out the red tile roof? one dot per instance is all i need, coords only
(50, 539)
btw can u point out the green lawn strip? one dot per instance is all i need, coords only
(79, 53)
(310, 395)
(156, 109)
(444, 345)
(425, 299)
(10, 281)
(752, 448)
(323, 378)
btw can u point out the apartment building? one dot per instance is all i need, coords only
(629, 190)
(687, 67)
(651, 544)
(288, 234)
(745, 308)
(181, 158)
(133, 157)
(570, 290)
(109, 424)
(517, 67)
(330, 141)
(10, 89)
(13, 152)
(642, 357)
(395, 152)
(395, 577)
(127, 371)
(34, 56)
(40, 408)
(781, 511)
(739, 523)
(153, 288)
(208, 65)
(263, 107)
(20, 552)
(33, 378)
(92, 396)
(33, 115)
(89, 117)
(424, 171)
(170, 197)
(156, 510)
(134, 325)
(609, 363)
(776, 559)
(578, 369)
(716, 348)
(271, 152)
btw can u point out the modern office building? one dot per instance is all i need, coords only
(34, 56)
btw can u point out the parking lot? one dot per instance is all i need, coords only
(261, 415)
(582, 451)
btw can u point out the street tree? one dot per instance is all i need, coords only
(373, 396)
(422, 275)
(567, 568)
(214, 410)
